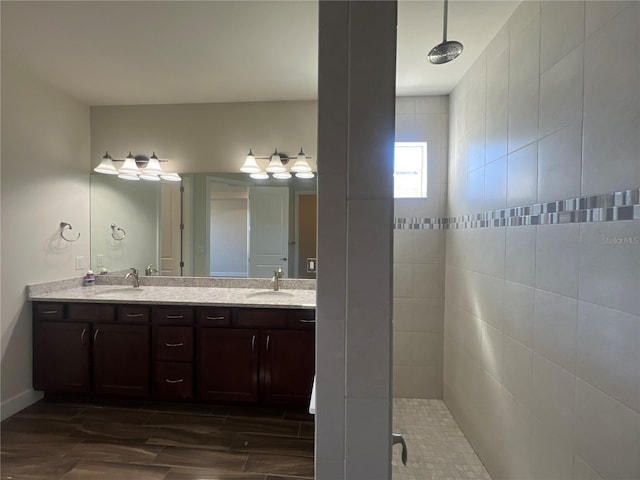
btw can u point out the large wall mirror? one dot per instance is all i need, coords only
(223, 225)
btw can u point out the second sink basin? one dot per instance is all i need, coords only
(269, 295)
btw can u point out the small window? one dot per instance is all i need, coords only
(410, 170)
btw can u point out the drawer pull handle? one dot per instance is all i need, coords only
(135, 315)
(49, 312)
(95, 336)
(268, 339)
(307, 321)
(253, 343)
(180, 380)
(213, 318)
(83, 335)
(173, 344)
(174, 317)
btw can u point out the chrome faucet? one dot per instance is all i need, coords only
(277, 275)
(133, 274)
(150, 270)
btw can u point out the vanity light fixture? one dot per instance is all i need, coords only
(277, 166)
(137, 168)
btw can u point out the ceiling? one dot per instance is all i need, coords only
(157, 52)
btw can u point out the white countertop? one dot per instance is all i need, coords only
(167, 295)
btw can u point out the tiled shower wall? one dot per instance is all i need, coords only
(542, 322)
(418, 294)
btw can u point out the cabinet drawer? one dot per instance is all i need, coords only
(173, 380)
(260, 318)
(48, 311)
(173, 344)
(133, 314)
(214, 317)
(301, 319)
(172, 315)
(87, 311)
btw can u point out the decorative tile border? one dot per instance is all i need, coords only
(609, 207)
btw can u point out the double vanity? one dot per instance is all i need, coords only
(225, 341)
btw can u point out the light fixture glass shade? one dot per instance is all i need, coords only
(305, 175)
(301, 164)
(259, 175)
(128, 176)
(250, 165)
(151, 177)
(130, 165)
(282, 175)
(171, 177)
(153, 166)
(106, 166)
(275, 165)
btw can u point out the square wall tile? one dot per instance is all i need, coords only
(522, 176)
(520, 263)
(426, 382)
(582, 470)
(492, 351)
(495, 185)
(561, 92)
(557, 248)
(402, 349)
(517, 373)
(553, 398)
(554, 328)
(402, 312)
(518, 438)
(426, 349)
(599, 13)
(610, 265)
(552, 456)
(608, 353)
(497, 108)
(402, 246)
(562, 30)
(456, 246)
(523, 114)
(402, 382)
(427, 315)
(560, 164)
(524, 47)
(402, 280)
(428, 246)
(428, 280)
(432, 104)
(606, 433)
(519, 301)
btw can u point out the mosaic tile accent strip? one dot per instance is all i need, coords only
(609, 207)
(437, 448)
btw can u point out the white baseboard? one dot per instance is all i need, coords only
(18, 402)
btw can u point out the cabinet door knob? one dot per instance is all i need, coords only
(180, 380)
(174, 344)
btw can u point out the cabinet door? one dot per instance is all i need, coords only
(61, 356)
(121, 359)
(228, 364)
(288, 366)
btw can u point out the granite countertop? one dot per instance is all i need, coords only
(177, 295)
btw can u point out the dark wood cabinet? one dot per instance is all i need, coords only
(61, 356)
(228, 364)
(219, 354)
(288, 366)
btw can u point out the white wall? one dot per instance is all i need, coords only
(45, 180)
(213, 137)
(542, 322)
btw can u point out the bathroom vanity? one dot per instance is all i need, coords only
(179, 344)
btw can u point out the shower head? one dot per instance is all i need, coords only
(447, 50)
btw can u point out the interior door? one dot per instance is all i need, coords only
(268, 230)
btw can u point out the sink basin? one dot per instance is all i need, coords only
(269, 295)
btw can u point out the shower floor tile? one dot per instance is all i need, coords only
(437, 448)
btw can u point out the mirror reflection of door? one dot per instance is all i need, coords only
(306, 203)
(268, 230)
(228, 231)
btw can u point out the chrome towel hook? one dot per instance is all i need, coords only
(64, 226)
(114, 232)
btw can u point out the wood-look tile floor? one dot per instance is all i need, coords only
(76, 441)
